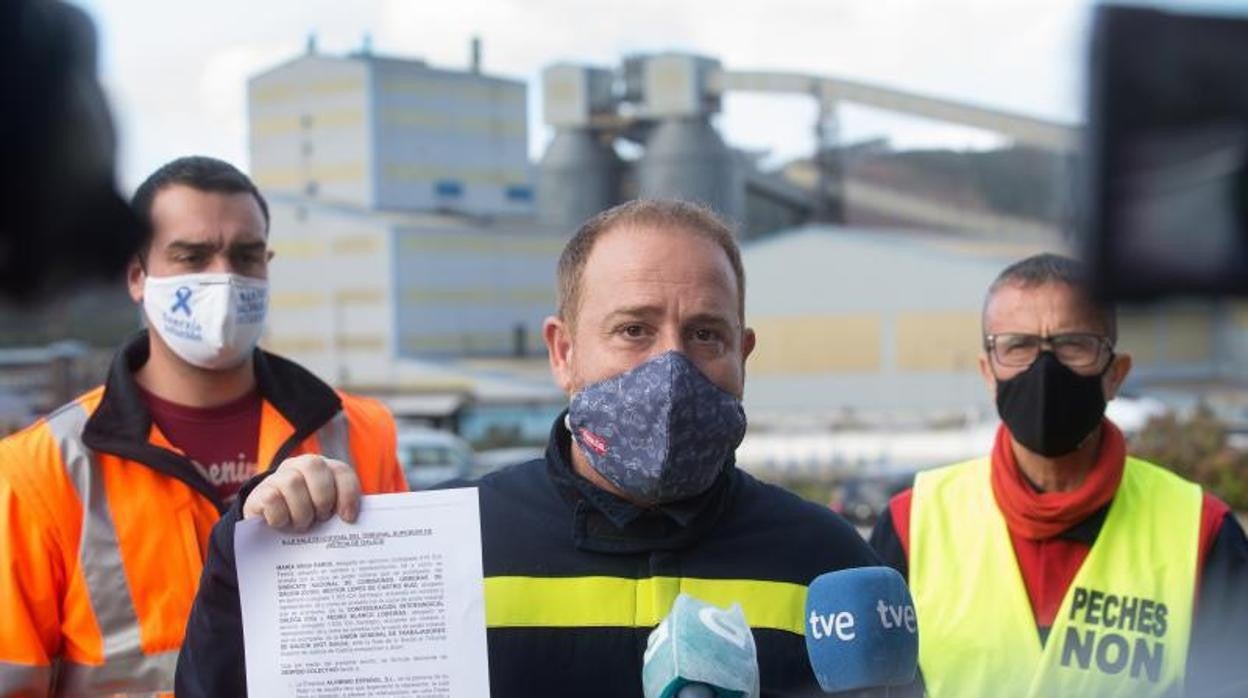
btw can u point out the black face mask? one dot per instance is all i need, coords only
(1049, 408)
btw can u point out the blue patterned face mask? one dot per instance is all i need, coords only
(660, 432)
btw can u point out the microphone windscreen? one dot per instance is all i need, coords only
(861, 630)
(701, 647)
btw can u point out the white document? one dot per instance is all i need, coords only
(392, 605)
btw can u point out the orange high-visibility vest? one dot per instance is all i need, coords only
(101, 552)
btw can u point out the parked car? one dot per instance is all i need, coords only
(429, 456)
(864, 498)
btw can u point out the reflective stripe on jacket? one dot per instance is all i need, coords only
(576, 579)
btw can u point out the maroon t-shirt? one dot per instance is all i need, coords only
(221, 441)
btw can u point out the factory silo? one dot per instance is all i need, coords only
(685, 158)
(580, 172)
(579, 177)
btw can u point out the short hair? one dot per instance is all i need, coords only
(667, 214)
(1043, 269)
(197, 172)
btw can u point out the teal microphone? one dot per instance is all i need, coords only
(701, 651)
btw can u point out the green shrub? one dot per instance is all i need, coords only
(1197, 449)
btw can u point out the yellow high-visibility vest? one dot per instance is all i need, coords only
(1123, 627)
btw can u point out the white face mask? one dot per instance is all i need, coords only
(210, 320)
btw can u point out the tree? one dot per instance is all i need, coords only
(1197, 448)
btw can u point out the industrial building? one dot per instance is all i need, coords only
(868, 325)
(883, 326)
(869, 340)
(357, 294)
(664, 103)
(409, 262)
(416, 245)
(391, 134)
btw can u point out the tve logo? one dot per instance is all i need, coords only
(841, 624)
(895, 616)
(862, 630)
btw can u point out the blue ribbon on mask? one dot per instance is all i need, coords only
(182, 301)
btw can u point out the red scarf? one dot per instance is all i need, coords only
(1039, 515)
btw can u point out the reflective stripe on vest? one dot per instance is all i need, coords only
(144, 675)
(335, 440)
(573, 602)
(125, 668)
(978, 632)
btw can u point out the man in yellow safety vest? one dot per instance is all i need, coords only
(1058, 565)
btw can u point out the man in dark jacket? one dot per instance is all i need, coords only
(637, 498)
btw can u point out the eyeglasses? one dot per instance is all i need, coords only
(1076, 349)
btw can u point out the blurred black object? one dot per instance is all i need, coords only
(862, 499)
(1168, 154)
(62, 222)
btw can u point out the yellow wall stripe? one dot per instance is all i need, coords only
(574, 602)
(283, 91)
(438, 120)
(938, 341)
(424, 172)
(296, 247)
(418, 241)
(1239, 314)
(349, 172)
(295, 300)
(814, 344)
(475, 296)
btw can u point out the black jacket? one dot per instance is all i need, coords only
(539, 519)
(122, 425)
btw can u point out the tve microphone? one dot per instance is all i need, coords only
(861, 630)
(700, 651)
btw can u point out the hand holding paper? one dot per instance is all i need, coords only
(392, 605)
(305, 489)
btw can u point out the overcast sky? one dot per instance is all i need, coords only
(176, 71)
